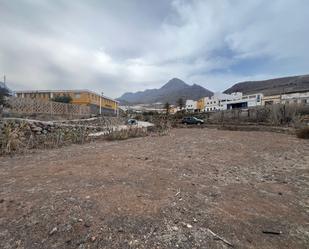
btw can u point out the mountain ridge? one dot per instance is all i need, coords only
(169, 92)
(272, 86)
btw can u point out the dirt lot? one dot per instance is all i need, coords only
(160, 192)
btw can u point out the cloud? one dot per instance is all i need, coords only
(118, 46)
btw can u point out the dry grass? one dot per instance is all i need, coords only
(303, 133)
(11, 138)
(126, 134)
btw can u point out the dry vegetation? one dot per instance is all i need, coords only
(303, 133)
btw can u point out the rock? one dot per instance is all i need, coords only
(53, 231)
(87, 224)
(37, 129)
(174, 228)
(93, 238)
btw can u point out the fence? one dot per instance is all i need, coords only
(34, 106)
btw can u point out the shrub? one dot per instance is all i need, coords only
(303, 133)
(62, 99)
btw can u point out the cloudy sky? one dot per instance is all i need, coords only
(116, 46)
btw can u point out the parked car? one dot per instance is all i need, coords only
(132, 121)
(192, 120)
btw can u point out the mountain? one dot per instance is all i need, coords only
(272, 86)
(170, 92)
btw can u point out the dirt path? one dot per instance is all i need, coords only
(160, 192)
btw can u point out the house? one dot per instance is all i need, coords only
(79, 97)
(246, 101)
(191, 105)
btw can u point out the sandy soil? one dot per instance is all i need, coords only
(160, 192)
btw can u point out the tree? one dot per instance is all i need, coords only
(180, 103)
(4, 92)
(167, 107)
(62, 99)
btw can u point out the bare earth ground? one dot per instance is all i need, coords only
(160, 192)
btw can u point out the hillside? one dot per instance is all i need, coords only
(272, 86)
(170, 92)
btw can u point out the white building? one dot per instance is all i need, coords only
(246, 101)
(295, 98)
(219, 101)
(191, 105)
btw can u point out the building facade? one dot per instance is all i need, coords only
(219, 101)
(246, 101)
(295, 98)
(271, 100)
(191, 105)
(79, 97)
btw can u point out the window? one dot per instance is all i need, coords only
(77, 95)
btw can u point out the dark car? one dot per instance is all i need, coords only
(192, 120)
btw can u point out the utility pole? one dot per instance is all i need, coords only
(101, 103)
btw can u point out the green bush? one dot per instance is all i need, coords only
(62, 99)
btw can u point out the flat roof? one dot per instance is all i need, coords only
(57, 91)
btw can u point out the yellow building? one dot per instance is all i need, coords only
(200, 104)
(270, 100)
(79, 97)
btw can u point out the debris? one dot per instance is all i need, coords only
(189, 226)
(178, 192)
(272, 232)
(93, 238)
(220, 238)
(194, 220)
(175, 228)
(54, 230)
